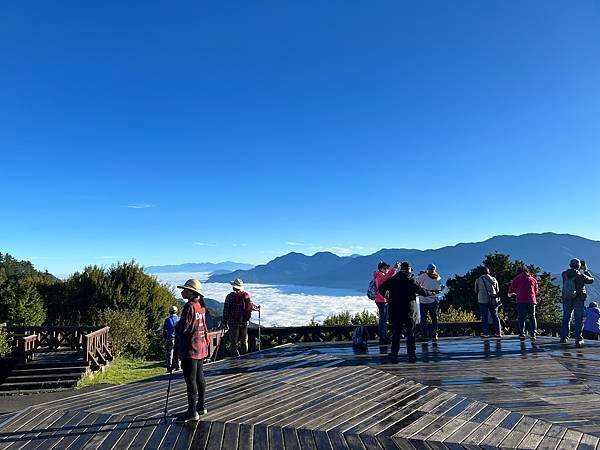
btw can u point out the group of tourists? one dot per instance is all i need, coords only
(187, 338)
(397, 292)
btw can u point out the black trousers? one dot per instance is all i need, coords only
(193, 374)
(404, 321)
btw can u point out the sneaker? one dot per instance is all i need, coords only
(522, 337)
(187, 418)
(533, 338)
(579, 344)
(412, 359)
(563, 341)
(498, 335)
(202, 412)
(434, 339)
(484, 335)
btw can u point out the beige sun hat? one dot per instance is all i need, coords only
(192, 285)
(237, 284)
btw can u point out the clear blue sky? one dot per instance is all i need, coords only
(203, 131)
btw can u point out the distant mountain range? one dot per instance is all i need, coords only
(220, 268)
(552, 252)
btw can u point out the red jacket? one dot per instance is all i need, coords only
(191, 332)
(526, 288)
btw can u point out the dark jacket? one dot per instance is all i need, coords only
(582, 277)
(403, 291)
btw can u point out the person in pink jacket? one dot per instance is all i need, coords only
(524, 288)
(382, 273)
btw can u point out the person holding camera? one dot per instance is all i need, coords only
(573, 296)
(428, 305)
(402, 291)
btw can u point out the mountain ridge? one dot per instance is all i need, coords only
(228, 266)
(550, 251)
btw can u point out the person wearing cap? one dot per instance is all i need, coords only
(431, 281)
(578, 275)
(524, 288)
(191, 346)
(591, 327)
(383, 273)
(237, 310)
(402, 291)
(169, 336)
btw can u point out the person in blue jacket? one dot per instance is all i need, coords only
(169, 336)
(591, 327)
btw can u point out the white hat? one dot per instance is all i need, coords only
(173, 309)
(237, 284)
(192, 285)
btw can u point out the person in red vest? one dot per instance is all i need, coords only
(191, 344)
(237, 311)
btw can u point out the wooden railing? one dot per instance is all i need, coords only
(25, 347)
(55, 337)
(97, 349)
(216, 344)
(273, 336)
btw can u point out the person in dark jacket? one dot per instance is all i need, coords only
(401, 291)
(169, 336)
(578, 273)
(191, 345)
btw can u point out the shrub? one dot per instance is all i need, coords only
(128, 331)
(4, 344)
(346, 318)
(453, 314)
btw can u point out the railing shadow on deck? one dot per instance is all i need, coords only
(274, 336)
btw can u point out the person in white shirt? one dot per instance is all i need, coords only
(430, 281)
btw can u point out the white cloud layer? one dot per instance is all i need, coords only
(284, 305)
(204, 244)
(140, 206)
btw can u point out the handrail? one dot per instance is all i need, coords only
(96, 347)
(25, 348)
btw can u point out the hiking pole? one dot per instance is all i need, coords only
(169, 386)
(259, 328)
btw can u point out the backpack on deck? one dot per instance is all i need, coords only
(569, 289)
(372, 290)
(360, 338)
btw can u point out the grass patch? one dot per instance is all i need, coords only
(125, 370)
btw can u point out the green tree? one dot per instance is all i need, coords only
(25, 304)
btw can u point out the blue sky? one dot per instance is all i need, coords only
(171, 132)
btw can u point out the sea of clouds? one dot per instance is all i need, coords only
(283, 305)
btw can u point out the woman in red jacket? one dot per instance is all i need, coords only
(191, 341)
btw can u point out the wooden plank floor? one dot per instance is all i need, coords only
(464, 394)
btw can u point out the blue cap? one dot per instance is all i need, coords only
(431, 267)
